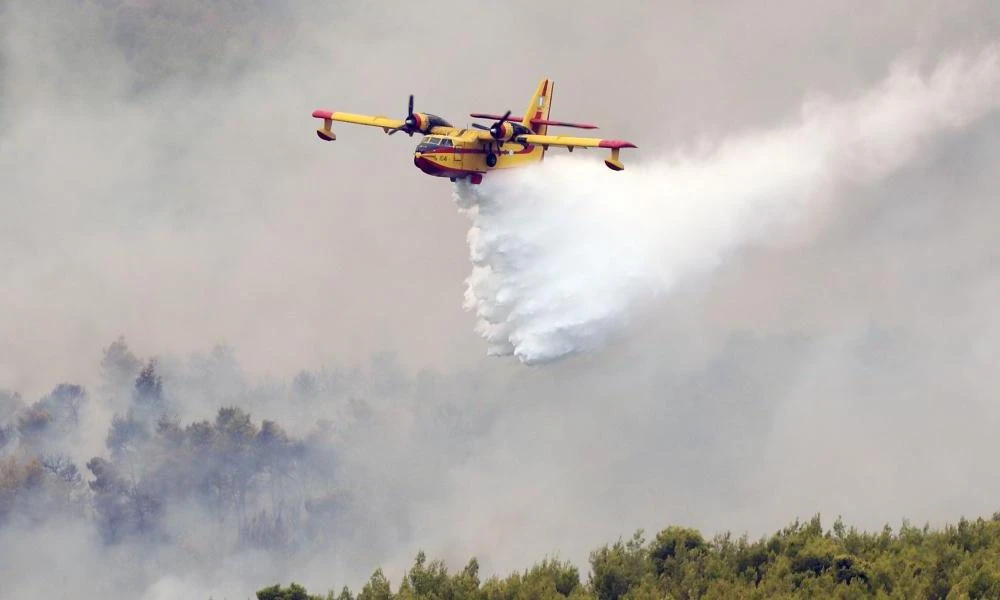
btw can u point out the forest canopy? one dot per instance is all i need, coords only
(800, 561)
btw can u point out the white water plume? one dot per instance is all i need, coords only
(562, 251)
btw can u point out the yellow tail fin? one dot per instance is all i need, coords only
(541, 105)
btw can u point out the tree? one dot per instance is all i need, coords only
(800, 561)
(148, 389)
(123, 508)
(126, 435)
(18, 480)
(616, 569)
(292, 592)
(377, 588)
(673, 545)
(119, 365)
(64, 403)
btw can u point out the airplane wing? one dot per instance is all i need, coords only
(344, 117)
(388, 125)
(329, 117)
(571, 142)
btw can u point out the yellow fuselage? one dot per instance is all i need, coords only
(464, 155)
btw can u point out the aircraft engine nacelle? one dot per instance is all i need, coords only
(419, 122)
(503, 131)
(506, 130)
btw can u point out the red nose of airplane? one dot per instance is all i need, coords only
(425, 164)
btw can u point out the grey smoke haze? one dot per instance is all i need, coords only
(846, 367)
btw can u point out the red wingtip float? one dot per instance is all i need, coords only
(447, 151)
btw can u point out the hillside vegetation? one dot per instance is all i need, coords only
(800, 561)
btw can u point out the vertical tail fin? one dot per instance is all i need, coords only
(541, 105)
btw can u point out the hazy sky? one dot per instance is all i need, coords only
(207, 211)
(846, 366)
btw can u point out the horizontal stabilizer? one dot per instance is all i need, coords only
(563, 124)
(486, 116)
(535, 122)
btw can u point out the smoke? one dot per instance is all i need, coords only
(564, 253)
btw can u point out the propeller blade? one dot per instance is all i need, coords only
(504, 117)
(478, 126)
(409, 110)
(404, 127)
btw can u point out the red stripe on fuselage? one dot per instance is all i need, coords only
(445, 150)
(436, 169)
(432, 168)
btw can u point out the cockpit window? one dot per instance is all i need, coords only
(429, 143)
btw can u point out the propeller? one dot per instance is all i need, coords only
(495, 128)
(409, 123)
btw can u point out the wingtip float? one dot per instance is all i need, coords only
(447, 151)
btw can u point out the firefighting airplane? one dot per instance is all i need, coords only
(447, 151)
